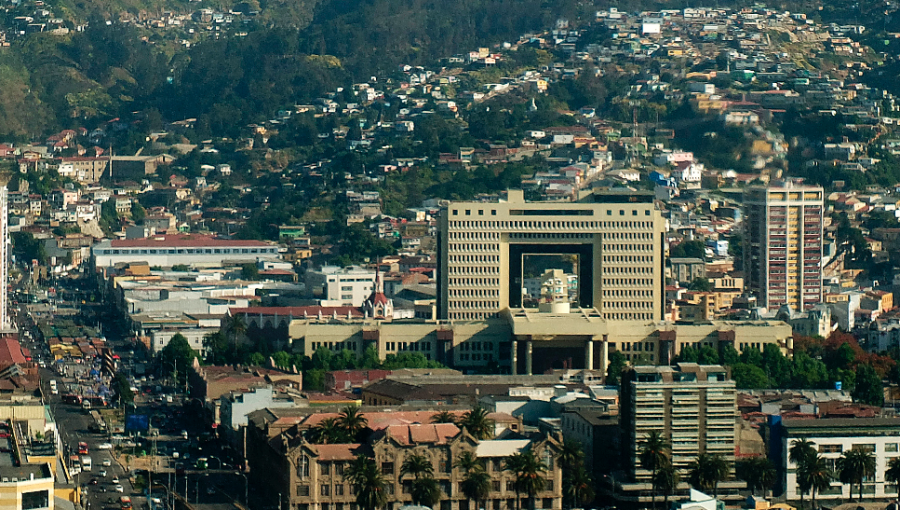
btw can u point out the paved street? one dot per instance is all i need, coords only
(170, 478)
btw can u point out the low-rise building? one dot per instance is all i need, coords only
(832, 437)
(311, 476)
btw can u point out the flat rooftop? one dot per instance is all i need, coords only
(25, 472)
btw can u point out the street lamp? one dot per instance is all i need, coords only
(246, 502)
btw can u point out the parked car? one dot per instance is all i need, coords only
(119, 488)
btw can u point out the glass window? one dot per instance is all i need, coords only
(325, 490)
(387, 468)
(890, 447)
(325, 468)
(36, 499)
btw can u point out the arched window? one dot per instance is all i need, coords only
(303, 467)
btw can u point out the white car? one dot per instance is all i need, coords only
(104, 446)
(103, 472)
(107, 462)
(116, 480)
(119, 488)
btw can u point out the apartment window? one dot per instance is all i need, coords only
(346, 287)
(339, 468)
(36, 499)
(303, 490)
(510, 486)
(325, 490)
(830, 448)
(387, 468)
(495, 485)
(890, 447)
(325, 468)
(338, 490)
(866, 447)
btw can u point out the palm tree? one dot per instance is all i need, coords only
(467, 461)
(802, 451)
(515, 464)
(707, 471)
(235, 326)
(528, 475)
(352, 421)
(892, 474)
(443, 417)
(417, 465)
(653, 455)
(579, 487)
(476, 485)
(854, 466)
(477, 423)
(667, 479)
(425, 491)
(328, 431)
(363, 473)
(815, 476)
(758, 472)
(571, 456)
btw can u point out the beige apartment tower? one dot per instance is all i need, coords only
(783, 244)
(692, 406)
(610, 246)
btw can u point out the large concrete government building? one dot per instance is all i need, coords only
(613, 245)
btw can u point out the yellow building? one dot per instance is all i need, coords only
(27, 487)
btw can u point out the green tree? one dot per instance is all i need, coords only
(250, 272)
(327, 431)
(758, 472)
(423, 488)
(708, 355)
(477, 423)
(528, 470)
(854, 466)
(571, 456)
(352, 421)
(177, 356)
(617, 364)
(123, 388)
(235, 328)
(443, 417)
(892, 473)
(868, 388)
(706, 471)
(815, 475)
(368, 483)
(476, 482)
(700, 284)
(729, 356)
(749, 377)
(138, 213)
(666, 480)
(26, 248)
(579, 487)
(653, 455)
(801, 453)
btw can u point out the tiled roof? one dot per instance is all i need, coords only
(182, 240)
(336, 451)
(435, 433)
(10, 351)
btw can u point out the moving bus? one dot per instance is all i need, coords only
(82, 449)
(72, 399)
(85, 462)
